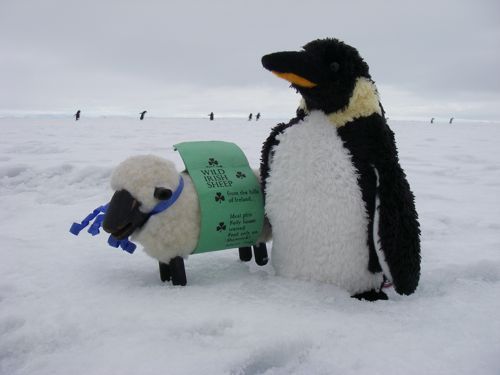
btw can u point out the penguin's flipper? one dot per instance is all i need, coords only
(398, 229)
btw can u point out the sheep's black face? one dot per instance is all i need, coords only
(123, 216)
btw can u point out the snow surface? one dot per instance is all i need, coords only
(74, 305)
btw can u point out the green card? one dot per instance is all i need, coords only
(231, 203)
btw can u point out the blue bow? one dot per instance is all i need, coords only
(94, 229)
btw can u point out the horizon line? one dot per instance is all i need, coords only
(222, 115)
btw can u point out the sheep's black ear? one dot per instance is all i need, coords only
(162, 193)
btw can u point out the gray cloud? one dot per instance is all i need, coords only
(164, 55)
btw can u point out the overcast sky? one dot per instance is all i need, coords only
(428, 58)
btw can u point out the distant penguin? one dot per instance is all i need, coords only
(211, 116)
(451, 119)
(77, 115)
(257, 117)
(250, 117)
(142, 114)
(432, 120)
(338, 201)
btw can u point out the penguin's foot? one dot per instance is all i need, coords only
(371, 295)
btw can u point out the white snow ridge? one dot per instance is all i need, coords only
(74, 305)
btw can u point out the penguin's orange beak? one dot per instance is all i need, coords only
(296, 79)
(296, 67)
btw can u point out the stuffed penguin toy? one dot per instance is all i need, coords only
(337, 199)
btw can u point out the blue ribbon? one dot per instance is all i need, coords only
(125, 244)
(163, 205)
(77, 228)
(98, 216)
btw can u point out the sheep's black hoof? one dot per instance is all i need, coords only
(371, 295)
(260, 252)
(165, 274)
(245, 254)
(178, 271)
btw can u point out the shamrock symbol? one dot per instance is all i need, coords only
(219, 197)
(212, 161)
(221, 227)
(240, 174)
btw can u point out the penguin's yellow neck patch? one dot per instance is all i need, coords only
(364, 102)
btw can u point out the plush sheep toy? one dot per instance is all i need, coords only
(159, 208)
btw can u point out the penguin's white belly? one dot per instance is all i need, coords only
(316, 209)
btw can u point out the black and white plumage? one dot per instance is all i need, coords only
(336, 196)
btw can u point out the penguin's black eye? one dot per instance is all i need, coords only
(334, 66)
(162, 194)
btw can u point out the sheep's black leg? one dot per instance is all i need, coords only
(165, 274)
(260, 252)
(178, 271)
(245, 254)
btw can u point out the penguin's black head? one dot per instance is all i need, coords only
(324, 72)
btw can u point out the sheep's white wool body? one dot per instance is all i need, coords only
(173, 232)
(315, 206)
